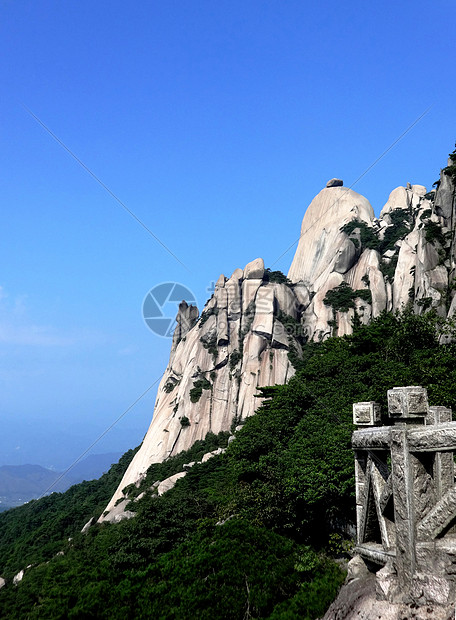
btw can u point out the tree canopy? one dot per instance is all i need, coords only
(246, 534)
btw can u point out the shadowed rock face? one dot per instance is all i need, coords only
(185, 319)
(240, 342)
(357, 599)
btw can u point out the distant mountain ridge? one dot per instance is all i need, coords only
(21, 483)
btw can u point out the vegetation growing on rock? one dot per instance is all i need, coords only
(275, 276)
(235, 532)
(342, 298)
(205, 315)
(197, 390)
(451, 169)
(210, 343)
(169, 386)
(235, 358)
(401, 223)
(367, 236)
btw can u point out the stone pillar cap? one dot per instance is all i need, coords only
(366, 413)
(408, 402)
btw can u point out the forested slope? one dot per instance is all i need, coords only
(246, 534)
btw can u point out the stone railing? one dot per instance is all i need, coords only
(406, 497)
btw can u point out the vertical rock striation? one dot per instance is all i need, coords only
(349, 266)
(217, 363)
(404, 258)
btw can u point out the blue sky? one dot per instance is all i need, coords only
(215, 123)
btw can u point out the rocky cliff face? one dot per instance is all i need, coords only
(349, 266)
(353, 265)
(218, 361)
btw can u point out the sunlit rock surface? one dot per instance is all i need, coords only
(215, 369)
(242, 339)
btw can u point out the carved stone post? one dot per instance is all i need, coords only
(406, 496)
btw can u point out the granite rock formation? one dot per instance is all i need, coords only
(357, 599)
(239, 343)
(349, 266)
(406, 256)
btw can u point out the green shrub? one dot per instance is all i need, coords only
(275, 276)
(210, 343)
(205, 315)
(401, 220)
(198, 386)
(388, 268)
(426, 213)
(342, 298)
(424, 302)
(235, 358)
(451, 169)
(236, 571)
(433, 233)
(169, 386)
(367, 235)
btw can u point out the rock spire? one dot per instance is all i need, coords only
(349, 266)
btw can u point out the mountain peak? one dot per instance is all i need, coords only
(349, 267)
(322, 247)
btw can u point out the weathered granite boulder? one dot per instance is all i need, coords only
(185, 319)
(346, 256)
(402, 258)
(18, 577)
(322, 240)
(356, 569)
(118, 512)
(88, 525)
(445, 198)
(254, 270)
(168, 483)
(420, 190)
(124, 515)
(209, 455)
(398, 199)
(358, 599)
(334, 183)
